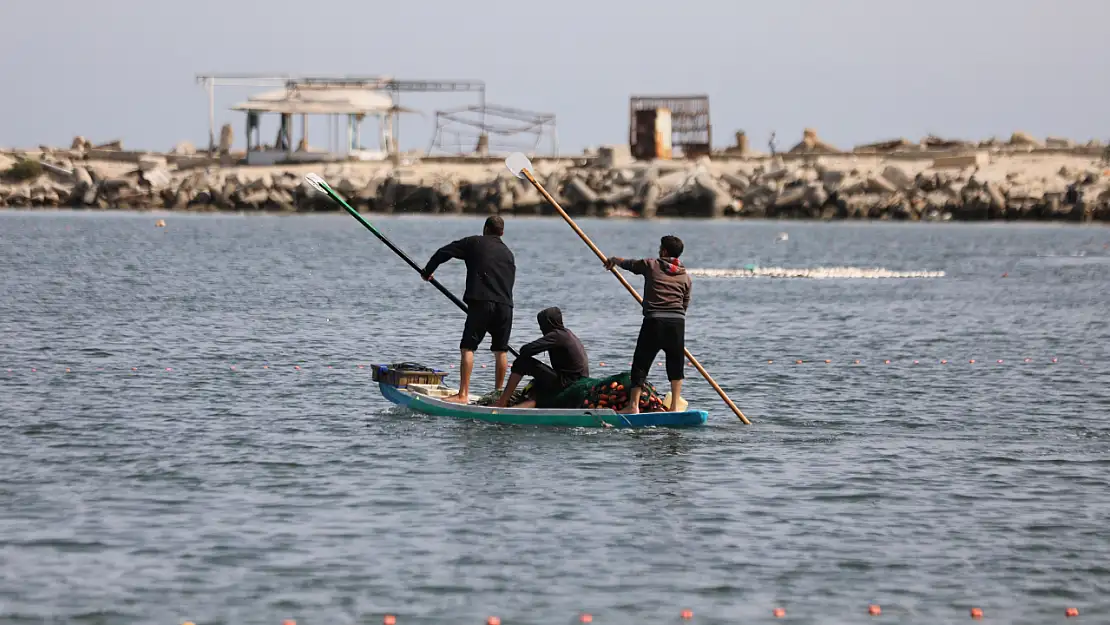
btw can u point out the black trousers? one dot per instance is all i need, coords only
(487, 317)
(543, 376)
(663, 333)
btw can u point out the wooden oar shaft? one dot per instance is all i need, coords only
(631, 289)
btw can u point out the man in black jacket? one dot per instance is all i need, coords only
(490, 275)
(569, 362)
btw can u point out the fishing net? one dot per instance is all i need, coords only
(518, 396)
(608, 392)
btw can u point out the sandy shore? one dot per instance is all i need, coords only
(883, 181)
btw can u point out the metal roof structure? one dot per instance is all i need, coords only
(386, 86)
(319, 102)
(492, 129)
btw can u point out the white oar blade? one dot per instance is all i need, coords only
(517, 163)
(316, 182)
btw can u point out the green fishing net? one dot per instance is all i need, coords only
(491, 397)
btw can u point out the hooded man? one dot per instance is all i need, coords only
(666, 298)
(568, 361)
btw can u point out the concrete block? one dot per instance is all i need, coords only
(816, 194)
(898, 177)
(832, 177)
(879, 184)
(158, 178)
(977, 159)
(147, 162)
(577, 191)
(738, 182)
(790, 197)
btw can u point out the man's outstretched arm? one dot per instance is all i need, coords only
(454, 249)
(635, 266)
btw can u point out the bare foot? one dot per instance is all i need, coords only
(458, 399)
(633, 409)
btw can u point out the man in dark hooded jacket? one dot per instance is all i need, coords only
(666, 298)
(569, 362)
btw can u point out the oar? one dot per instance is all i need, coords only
(522, 168)
(318, 183)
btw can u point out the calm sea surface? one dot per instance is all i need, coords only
(184, 468)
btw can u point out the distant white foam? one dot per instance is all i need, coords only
(813, 273)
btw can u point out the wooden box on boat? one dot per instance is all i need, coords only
(395, 375)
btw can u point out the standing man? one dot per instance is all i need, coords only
(666, 298)
(490, 275)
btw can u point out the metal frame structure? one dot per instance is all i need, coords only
(384, 83)
(460, 123)
(690, 127)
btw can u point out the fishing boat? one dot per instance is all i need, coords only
(422, 390)
(425, 393)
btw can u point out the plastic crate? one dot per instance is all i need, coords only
(403, 374)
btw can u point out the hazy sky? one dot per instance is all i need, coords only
(856, 70)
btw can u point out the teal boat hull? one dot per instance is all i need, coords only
(573, 418)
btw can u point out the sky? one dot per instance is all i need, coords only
(857, 71)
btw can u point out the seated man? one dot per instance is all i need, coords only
(568, 362)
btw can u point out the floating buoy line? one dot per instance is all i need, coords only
(975, 613)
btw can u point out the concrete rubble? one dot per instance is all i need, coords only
(961, 182)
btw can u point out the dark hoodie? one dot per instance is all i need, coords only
(666, 286)
(490, 267)
(568, 356)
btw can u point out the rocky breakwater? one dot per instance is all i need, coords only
(151, 183)
(62, 179)
(956, 186)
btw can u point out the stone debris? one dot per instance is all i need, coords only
(1025, 139)
(810, 143)
(934, 142)
(185, 148)
(885, 146)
